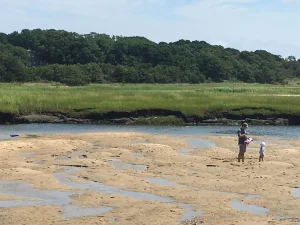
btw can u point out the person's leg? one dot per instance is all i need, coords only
(259, 158)
(240, 153)
(243, 150)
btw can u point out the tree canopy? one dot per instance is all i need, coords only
(79, 59)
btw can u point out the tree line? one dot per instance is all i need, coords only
(78, 59)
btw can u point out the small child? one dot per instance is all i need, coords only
(262, 151)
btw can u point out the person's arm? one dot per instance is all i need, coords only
(242, 135)
(239, 134)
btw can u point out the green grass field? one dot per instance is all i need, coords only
(189, 99)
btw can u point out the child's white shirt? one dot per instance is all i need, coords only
(262, 150)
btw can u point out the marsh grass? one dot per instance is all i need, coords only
(189, 99)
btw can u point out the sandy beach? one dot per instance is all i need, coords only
(138, 178)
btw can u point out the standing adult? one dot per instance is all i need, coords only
(242, 137)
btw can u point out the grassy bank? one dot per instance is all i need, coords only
(189, 99)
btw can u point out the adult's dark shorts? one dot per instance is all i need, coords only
(243, 148)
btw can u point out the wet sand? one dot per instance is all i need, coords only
(137, 178)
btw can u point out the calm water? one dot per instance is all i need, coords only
(235, 204)
(274, 131)
(35, 197)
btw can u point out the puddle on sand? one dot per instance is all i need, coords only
(113, 219)
(29, 154)
(196, 143)
(139, 155)
(99, 187)
(184, 151)
(296, 192)
(78, 154)
(251, 196)
(190, 212)
(73, 211)
(35, 197)
(200, 143)
(62, 158)
(117, 163)
(162, 181)
(235, 204)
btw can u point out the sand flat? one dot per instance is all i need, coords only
(204, 183)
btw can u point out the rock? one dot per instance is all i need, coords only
(280, 121)
(121, 121)
(215, 120)
(73, 120)
(38, 119)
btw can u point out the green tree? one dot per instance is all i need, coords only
(53, 55)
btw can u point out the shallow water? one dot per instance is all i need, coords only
(106, 189)
(118, 164)
(139, 155)
(184, 152)
(35, 197)
(162, 181)
(200, 143)
(235, 204)
(99, 187)
(271, 131)
(62, 158)
(190, 213)
(296, 192)
(79, 154)
(63, 199)
(251, 196)
(196, 143)
(165, 181)
(73, 211)
(29, 154)
(38, 197)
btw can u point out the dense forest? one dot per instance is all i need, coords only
(78, 59)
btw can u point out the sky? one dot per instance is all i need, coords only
(271, 25)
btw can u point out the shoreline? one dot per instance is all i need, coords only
(146, 117)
